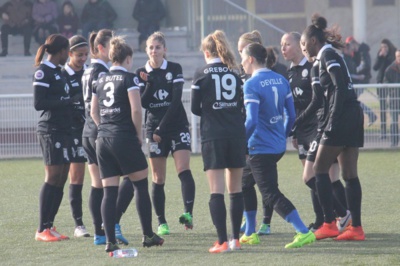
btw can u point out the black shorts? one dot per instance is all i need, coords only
(119, 156)
(55, 148)
(304, 140)
(312, 151)
(224, 153)
(349, 132)
(78, 153)
(89, 145)
(178, 141)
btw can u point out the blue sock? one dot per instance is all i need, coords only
(295, 220)
(250, 222)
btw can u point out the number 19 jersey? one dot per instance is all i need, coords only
(216, 97)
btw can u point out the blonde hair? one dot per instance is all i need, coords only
(217, 44)
(119, 49)
(251, 37)
(159, 37)
(96, 38)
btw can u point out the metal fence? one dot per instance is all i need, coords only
(18, 121)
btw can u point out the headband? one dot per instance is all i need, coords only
(78, 44)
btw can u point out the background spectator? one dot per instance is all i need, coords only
(392, 75)
(362, 61)
(44, 14)
(16, 16)
(386, 56)
(68, 21)
(97, 15)
(148, 13)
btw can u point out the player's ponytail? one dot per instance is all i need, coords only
(251, 37)
(319, 30)
(218, 46)
(53, 45)
(119, 50)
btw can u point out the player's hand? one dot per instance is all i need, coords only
(156, 138)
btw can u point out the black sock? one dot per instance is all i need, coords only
(125, 196)
(250, 198)
(95, 199)
(158, 197)
(75, 200)
(108, 212)
(354, 196)
(267, 210)
(325, 195)
(45, 202)
(218, 215)
(57, 199)
(143, 205)
(188, 189)
(319, 213)
(236, 211)
(339, 195)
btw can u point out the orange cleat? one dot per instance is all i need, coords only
(57, 234)
(46, 236)
(219, 248)
(327, 230)
(352, 234)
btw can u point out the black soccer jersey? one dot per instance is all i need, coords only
(115, 110)
(96, 69)
(75, 84)
(216, 97)
(161, 97)
(336, 80)
(300, 84)
(51, 95)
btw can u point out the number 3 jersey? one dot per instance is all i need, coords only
(112, 90)
(161, 97)
(216, 97)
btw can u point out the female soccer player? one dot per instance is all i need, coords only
(117, 112)
(216, 98)
(249, 193)
(99, 48)
(51, 96)
(266, 95)
(167, 128)
(305, 129)
(73, 71)
(343, 133)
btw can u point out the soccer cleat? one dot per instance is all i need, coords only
(327, 230)
(46, 236)
(110, 247)
(314, 227)
(57, 234)
(219, 248)
(343, 222)
(80, 231)
(301, 240)
(118, 235)
(243, 225)
(354, 233)
(187, 220)
(234, 244)
(155, 240)
(253, 239)
(163, 229)
(99, 240)
(265, 229)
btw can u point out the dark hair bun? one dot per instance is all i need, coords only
(319, 21)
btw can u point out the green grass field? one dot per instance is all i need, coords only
(20, 182)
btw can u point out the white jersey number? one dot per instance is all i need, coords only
(228, 84)
(109, 88)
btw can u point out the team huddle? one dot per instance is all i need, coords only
(93, 114)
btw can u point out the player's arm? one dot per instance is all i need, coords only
(195, 95)
(146, 88)
(40, 97)
(136, 111)
(94, 110)
(252, 105)
(290, 113)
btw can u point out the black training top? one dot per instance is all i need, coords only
(216, 97)
(114, 106)
(75, 84)
(161, 97)
(336, 80)
(96, 69)
(51, 95)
